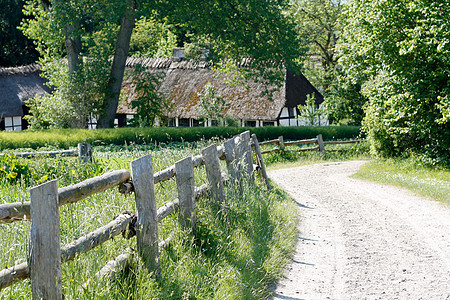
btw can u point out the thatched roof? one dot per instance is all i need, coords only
(185, 79)
(182, 82)
(17, 85)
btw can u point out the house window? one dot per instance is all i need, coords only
(250, 123)
(121, 120)
(195, 123)
(171, 123)
(268, 123)
(13, 123)
(291, 112)
(183, 122)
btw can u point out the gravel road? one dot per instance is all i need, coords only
(360, 240)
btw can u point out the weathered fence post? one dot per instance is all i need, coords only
(247, 153)
(146, 224)
(281, 142)
(45, 242)
(320, 143)
(261, 161)
(229, 150)
(184, 173)
(212, 166)
(84, 153)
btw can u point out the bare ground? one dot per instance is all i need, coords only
(360, 240)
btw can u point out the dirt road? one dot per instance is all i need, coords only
(360, 240)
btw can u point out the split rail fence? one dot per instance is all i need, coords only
(318, 140)
(46, 253)
(83, 152)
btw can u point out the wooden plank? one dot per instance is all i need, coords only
(13, 274)
(17, 211)
(45, 242)
(276, 141)
(212, 167)
(320, 143)
(247, 154)
(308, 141)
(229, 149)
(307, 149)
(84, 153)
(164, 175)
(146, 224)
(167, 209)
(281, 142)
(66, 153)
(184, 171)
(261, 161)
(341, 142)
(96, 237)
(270, 151)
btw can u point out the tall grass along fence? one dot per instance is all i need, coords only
(46, 253)
(318, 141)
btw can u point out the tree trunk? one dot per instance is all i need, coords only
(73, 48)
(111, 101)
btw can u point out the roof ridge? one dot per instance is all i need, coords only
(20, 70)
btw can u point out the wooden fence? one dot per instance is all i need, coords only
(318, 140)
(83, 152)
(46, 253)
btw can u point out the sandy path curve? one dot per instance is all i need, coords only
(360, 240)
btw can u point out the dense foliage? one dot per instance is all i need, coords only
(402, 50)
(16, 49)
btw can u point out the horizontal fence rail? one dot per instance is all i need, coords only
(143, 224)
(318, 140)
(84, 153)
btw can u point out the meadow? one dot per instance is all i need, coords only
(235, 253)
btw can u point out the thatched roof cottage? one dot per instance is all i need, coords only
(184, 79)
(16, 86)
(182, 82)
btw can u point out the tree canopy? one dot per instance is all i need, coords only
(88, 33)
(400, 50)
(16, 49)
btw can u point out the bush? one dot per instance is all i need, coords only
(65, 138)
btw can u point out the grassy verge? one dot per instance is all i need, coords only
(235, 253)
(430, 182)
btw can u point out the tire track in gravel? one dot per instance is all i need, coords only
(360, 240)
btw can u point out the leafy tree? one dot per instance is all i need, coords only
(152, 39)
(319, 22)
(310, 113)
(253, 29)
(149, 103)
(15, 48)
(212, 107)
(402, 50)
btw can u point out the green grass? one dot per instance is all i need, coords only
(431, 182)
(235, 253)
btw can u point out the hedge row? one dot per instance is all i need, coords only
(66, 138)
